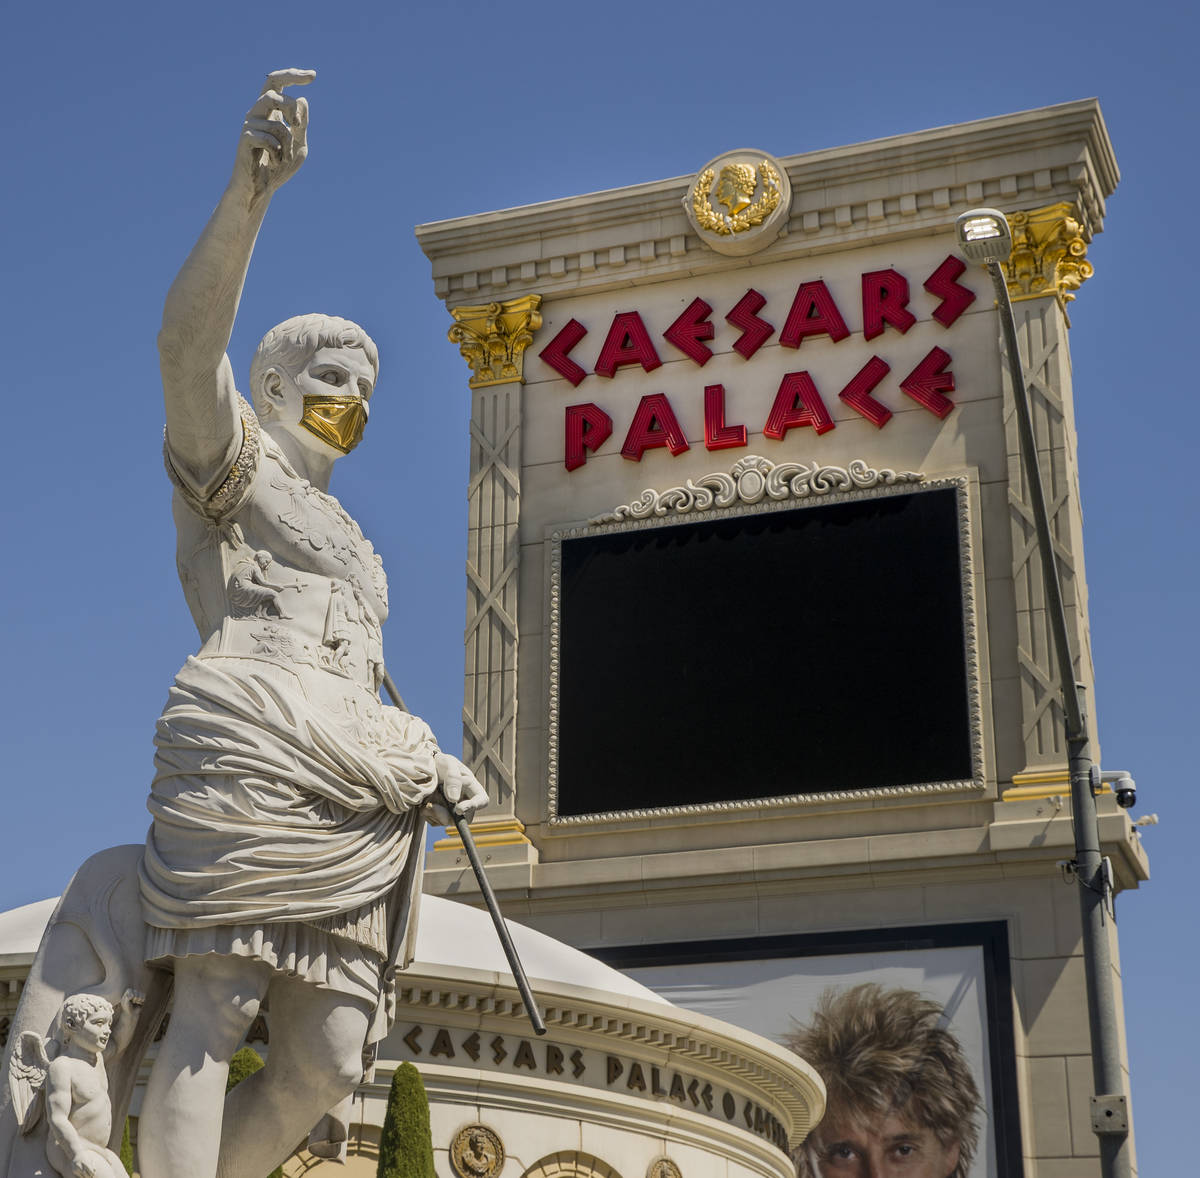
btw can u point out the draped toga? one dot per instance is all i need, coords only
(286, 798)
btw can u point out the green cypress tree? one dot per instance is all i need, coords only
(126, 1149)
(245, 1062)
(405, 1143)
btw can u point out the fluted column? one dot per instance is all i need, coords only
(1047, 266)
(492, 338)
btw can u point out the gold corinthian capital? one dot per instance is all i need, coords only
(492, 338)
(1049, 254)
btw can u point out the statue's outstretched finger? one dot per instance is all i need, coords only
(277, 79)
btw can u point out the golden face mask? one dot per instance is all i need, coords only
(340, 421)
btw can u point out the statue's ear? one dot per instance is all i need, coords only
(272, 389)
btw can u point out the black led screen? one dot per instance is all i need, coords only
(763, 655)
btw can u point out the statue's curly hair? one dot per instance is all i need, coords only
(743, 177)
(291, 344)
(77, 1009)
(882, 1050)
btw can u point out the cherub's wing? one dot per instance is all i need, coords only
(27, 1069)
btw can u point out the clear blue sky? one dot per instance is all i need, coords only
(118, 137)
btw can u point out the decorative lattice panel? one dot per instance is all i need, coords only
(494, 498)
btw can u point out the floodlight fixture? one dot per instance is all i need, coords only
(984, 235)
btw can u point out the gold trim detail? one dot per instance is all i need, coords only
(1042, 783)
(498, 832)
(229, 495)
(492, 338)
(1049, 254)
(738, 182)
(1043, 777)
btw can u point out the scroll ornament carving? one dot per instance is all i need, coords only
(753, 479)
(492, 338)
(1049, 254)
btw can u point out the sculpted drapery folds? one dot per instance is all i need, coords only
(284, 858)
(283, 863)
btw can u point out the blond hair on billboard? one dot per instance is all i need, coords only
(883, 1051)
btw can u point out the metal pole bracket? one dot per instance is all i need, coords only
(1110, 1114)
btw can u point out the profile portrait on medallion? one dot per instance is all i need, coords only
(739, 202)
(477, 1152)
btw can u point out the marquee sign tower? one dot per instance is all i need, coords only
(758, 669)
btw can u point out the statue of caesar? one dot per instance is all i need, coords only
(284, 858)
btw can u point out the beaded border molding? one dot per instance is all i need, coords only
(755, 484)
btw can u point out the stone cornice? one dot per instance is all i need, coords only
(885, 189)
(656, 1033)
(1024, 836)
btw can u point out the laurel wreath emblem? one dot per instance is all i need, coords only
(722, 223)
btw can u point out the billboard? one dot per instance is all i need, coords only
(828, 640)
(910, 1028)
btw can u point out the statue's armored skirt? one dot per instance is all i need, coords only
(286, 800)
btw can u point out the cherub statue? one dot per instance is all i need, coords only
(66, 1081)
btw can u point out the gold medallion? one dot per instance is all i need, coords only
(477, 1152)
(739, 202)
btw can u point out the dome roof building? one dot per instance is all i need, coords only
(623, 1085)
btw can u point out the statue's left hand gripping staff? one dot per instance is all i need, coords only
(510, 950)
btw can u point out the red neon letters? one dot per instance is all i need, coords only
(628, 342)
(654, 425)
(886, 302)
(689, 329)
(718, 435)
(588, 427)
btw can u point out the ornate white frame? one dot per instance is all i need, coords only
(755, 484)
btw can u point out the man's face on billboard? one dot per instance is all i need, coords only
(892, 1146)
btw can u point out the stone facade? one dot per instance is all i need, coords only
(980, 849)
(620, 1081)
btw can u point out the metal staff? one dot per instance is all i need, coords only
(510, 950)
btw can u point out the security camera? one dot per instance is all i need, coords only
(1125, 789)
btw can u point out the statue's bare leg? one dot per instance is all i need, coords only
(314, 1060)
(105, 1163)
(216, 999)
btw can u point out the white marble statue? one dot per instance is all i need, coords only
(94, 946)
(61, 1084)
(283, 862)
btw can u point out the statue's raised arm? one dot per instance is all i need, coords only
(203, 424)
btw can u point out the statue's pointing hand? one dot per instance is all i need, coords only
(274, 138)
(460, 790)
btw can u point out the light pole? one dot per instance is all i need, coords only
(984, 236)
